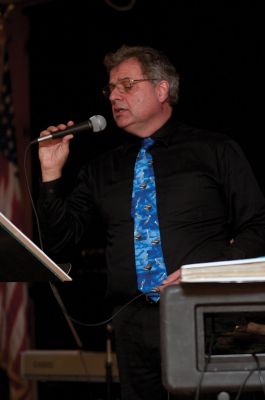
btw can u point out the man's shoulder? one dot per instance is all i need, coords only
(192, 132)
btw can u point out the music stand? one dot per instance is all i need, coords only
(184, 321)
(22, 261)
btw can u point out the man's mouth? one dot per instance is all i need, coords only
(118, 110)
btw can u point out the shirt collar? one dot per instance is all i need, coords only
(163, 135)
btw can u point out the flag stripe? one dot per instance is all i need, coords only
(14, 332)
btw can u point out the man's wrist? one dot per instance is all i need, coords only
(48, 176)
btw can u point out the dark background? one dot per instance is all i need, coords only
(219, 52)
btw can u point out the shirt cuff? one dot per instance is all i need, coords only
(51, 188)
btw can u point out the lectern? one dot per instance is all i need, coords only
(23, 260)
(201, 339)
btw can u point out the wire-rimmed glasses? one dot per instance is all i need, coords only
(123, 85)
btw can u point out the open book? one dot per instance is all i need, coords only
(244, 270)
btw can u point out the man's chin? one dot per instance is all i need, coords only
(128, 127)
(123, 124)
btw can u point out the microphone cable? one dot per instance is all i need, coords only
(30, 196)
(106, 321)
(54, 289)
(69, 319)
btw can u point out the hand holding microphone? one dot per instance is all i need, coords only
(53, 153)
(97, 123)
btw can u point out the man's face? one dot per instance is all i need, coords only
(137, 107)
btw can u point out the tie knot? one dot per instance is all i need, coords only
(147, 142)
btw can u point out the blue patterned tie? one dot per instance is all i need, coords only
(150, 265)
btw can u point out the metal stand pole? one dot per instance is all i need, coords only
(109, 362)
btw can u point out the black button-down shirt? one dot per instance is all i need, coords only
(207, 195)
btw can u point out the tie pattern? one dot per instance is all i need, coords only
(150, 265)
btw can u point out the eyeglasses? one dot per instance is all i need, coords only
(123, 85)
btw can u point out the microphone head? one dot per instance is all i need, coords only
(98, 122)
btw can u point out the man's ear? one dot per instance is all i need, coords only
(162, 90)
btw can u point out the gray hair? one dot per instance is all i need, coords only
(154, 64)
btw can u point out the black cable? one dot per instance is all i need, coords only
(112, 316)
(243, 384)
(261, 379)
(198, 389)
(54, 289)
(31, 198)
(56, 294)
(242, 387)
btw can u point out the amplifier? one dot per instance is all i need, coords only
(72, 365)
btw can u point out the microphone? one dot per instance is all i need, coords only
(97, 123)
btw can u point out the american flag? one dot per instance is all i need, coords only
(14, 328)
(10, 194)
(14, 336)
